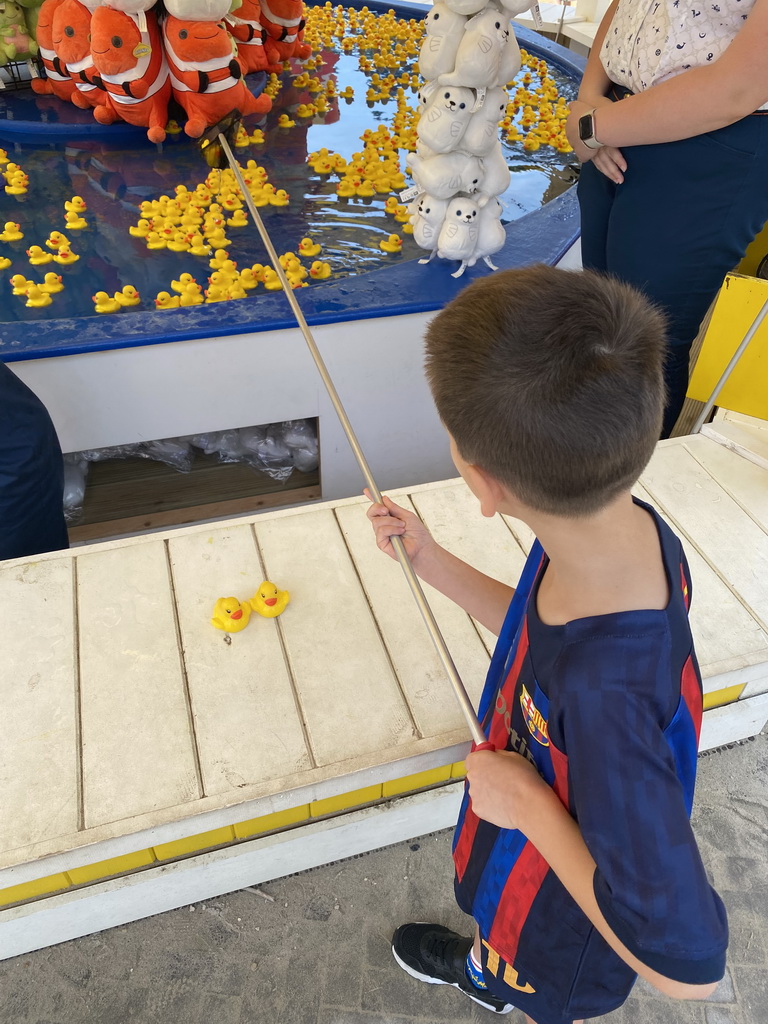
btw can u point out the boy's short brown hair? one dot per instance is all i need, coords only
(551, 381)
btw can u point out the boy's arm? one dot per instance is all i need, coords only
(482, 597)
(508, 791)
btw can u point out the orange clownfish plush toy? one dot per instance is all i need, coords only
(245, 25)
(57, 81)
(71, 34)
(283, 21)
(206, 76)
(128, 54)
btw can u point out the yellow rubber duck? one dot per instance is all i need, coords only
(191, 295)
(56, 240)
(75, 222)
(347, 94)
(393, 244)
(183, 281)
(241, 139)
(173, 127)
(257, 137)
(37, 297)
(198, 245)
(221, 261)
(38, 256)
(231, 202)
(229, 615)
(236, 290)
(292, 266)
(192, 218)
(52, 283)
(223, 279)
(128, 296)
(269, 601)
(309, 248)
(258, 271)
(179, 242)
(271, 281)
(280, 198)
(76, 205)
(155, 240)
(104, 303)
(140, 230)
(402, 214)
(319, 271)
(285, 122)
(11, 232)
(17, 186)
(305, 110)
(216, 294)
(65, 256)
(366, 188)
(301, 81)
(217, 238)
(5, 262)
(391, 205)
(239, 219)
(166, 301)
(247, 279)
(20, 284)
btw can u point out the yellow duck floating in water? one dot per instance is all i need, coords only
(52, 283)
(269, 601)
(191, 295)
(37, 297)
(183, 281)
(104, 303)
(75, 222)
(76, 205)
(128, 296)
(229, 615)
(20, 284)
(11, 232)
(166, 301)
(393, 244)
(65, 256)
(5, 262)
(56, 240)
(38, 256)
(309, 248)
(319, 270)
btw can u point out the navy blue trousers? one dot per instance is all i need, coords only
(681, 220)
(31, 473)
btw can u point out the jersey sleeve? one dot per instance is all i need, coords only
(623, 790)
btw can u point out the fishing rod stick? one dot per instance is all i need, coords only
(402, 556)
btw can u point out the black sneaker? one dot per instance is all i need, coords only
(438, 956)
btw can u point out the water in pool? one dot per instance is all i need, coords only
(115, 178)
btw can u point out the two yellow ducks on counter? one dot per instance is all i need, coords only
(232, 616)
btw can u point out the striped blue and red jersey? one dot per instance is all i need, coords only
(608, 708)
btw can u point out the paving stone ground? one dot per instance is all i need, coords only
(319, 954)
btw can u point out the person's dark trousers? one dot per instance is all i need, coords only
(31, 474)
(681, 220)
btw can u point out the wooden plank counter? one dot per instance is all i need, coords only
(135, 734)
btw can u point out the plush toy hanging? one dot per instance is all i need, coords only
(127, 50)
(245, 25)
(57, 81)
(16, 43)
(206, 76)
(71, 30)
(468, 55)
(283, 22)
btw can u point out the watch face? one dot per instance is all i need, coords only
(586, 131)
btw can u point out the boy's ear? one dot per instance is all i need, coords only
(486, 488)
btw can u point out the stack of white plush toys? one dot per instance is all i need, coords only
(468, 56)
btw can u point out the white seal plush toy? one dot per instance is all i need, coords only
(478, 57)
(458, 235)
(495, 177)
(483, 128)
(427, 215)
(491, 235)
(448, 113)
(445, 30)
(510, 62)
(444, 175)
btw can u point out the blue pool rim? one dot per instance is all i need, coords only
(542, 236)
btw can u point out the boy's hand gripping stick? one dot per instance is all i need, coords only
(217, 150)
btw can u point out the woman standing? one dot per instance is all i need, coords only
(671, 126)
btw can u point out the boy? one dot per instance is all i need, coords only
(573, 850)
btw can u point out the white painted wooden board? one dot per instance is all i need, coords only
(244, 709)
(39, 750)
(350, 698)
(732, 543)
(418, 667)
(453, 517)
(745, 481)
(726, 634)
(138, 749)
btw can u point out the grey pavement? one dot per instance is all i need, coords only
(314, 948)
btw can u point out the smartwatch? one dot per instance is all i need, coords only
(587, 131)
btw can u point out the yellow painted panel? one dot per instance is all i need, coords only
(410, 782)
(113, 866)
(458, 770)
(739, 302)
(344, 801)
(202, 841)
(718, 698)
(269, 822)
(38, 887)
